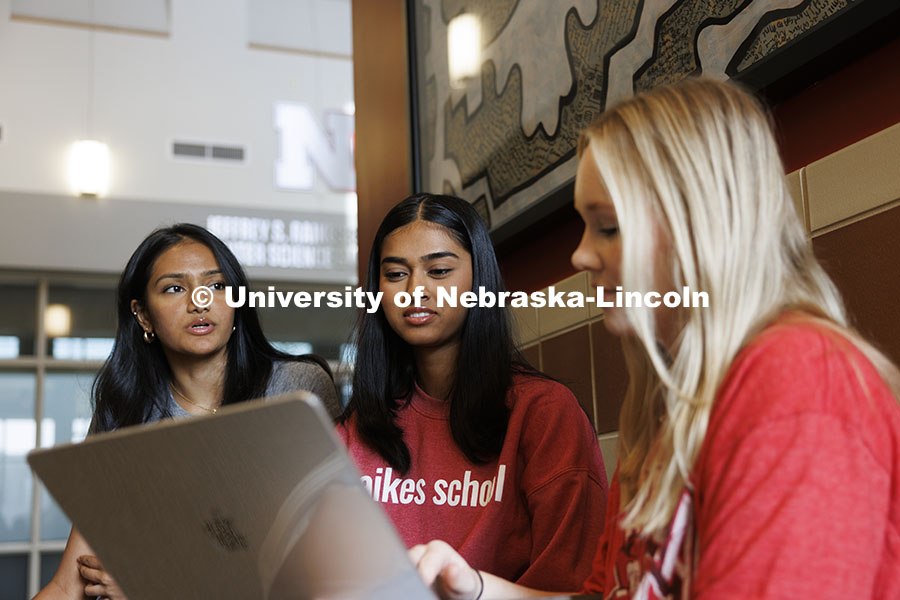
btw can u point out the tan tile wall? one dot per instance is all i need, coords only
(553, 320)
(853, 202)
(572, 345)
(850, 204)
(854, 182)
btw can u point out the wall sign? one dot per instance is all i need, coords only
(307, 148)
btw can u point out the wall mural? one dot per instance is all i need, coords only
(506, 141)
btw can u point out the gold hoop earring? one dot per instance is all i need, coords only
(149, 336)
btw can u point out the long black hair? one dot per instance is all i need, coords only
(385, 371)
(136, 376)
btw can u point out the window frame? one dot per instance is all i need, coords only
(40, 364)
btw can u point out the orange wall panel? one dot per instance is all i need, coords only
(382, 114)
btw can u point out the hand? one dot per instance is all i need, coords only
(446, 572)
(97, 581)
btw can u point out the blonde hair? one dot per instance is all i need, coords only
(697, 161)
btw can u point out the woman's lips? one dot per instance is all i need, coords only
(418, 315)
(201, 327)
(609, 291)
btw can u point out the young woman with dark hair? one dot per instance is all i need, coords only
(174, 358)
(454, 433)
(139, 382)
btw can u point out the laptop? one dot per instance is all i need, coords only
(257, 501)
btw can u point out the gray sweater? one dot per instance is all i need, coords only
(287, 376)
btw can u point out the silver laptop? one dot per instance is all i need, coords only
(258, 501)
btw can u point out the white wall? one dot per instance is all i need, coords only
(201, 82)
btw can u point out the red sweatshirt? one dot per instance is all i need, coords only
(532, 516)
(796, 487)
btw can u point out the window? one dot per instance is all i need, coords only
(46, 370)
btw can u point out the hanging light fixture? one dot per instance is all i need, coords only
(89, 168)
(463, 48)
(58, 320)
(89, 164)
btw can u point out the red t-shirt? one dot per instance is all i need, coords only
(533, 515)
(796, 487)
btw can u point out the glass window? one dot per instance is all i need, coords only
(18, 319)
(80, 321)
(9, 346)
(49, 564)
(67, 416)
(294, 329)
(17, 437)
(14, 575)
(293, 347)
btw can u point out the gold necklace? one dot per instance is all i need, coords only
(211, 411)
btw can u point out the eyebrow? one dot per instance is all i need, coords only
(437, 255)
(598, 207)
(183, 275)
(425, 258)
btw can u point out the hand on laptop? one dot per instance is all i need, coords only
(446, 572)
(98, 581)
(451, 578)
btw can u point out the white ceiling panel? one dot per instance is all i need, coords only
(316, 26)
(143, 15)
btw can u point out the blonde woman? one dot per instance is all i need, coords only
(760, 437)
